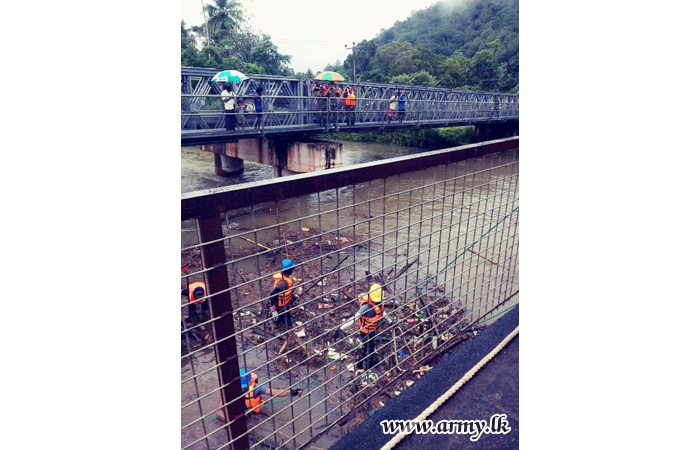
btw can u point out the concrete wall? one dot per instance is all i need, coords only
(314, 155)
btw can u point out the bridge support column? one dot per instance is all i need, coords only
(227, 166)
(286, 155)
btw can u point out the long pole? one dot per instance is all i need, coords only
(353, 62)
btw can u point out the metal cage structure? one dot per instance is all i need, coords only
(438, 231)
(291, 106)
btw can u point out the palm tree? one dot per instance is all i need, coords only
(223, 18)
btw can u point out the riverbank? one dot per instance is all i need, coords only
(427, 139)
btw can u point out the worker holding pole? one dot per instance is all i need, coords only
(368, 318)
(282, 296)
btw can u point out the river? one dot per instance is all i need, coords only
(197, 167)
(483, 197)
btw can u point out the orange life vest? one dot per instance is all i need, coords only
(370, 324)
(255, 403)
(194, 286)
(285, 296)
(350, 100)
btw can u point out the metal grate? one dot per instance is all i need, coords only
(438, 231)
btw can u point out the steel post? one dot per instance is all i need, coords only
(214, 258)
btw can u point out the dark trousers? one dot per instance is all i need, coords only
(368, 357)
(285, 316)
(350, 115)
(230, 119)
(198, 310)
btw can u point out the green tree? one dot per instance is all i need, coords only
(186, 38)
(401, 79)
(265, 54)
(423, 78)
(253, 68)
(486, 70)
(365, 52)
(435, 34)
(223, 19)
(454, 71)
(397, 58)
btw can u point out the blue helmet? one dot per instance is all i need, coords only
(287, 264)
(245, 378)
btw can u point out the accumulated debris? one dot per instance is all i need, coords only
(330, 289)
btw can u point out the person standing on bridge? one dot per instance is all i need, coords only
(322, 105)
(229, 100)
(350, 105)
(282, 297)
(334, 99)
(368, 318)
(258, 108)
(402, 106)
(393, 102)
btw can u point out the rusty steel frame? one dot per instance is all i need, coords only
(465, 214)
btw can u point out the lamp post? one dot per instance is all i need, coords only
(353, 59)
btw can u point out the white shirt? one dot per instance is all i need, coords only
(229, 105)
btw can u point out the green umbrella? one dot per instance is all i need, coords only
(229, 76)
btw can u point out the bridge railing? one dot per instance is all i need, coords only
(290, 102)
(438, 231)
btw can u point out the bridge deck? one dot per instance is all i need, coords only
(218, 135)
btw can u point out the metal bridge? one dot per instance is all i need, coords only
(290, 108)
(438, 231)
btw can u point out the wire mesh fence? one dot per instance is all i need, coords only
(437, 231)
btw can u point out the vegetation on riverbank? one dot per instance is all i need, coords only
(431, 138)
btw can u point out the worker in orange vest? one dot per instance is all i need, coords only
(253, 397)
(282, 296)
(194, 293)
(368, 319)
(350, 106)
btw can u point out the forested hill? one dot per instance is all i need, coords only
(471, 44)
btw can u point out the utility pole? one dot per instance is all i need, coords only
(353, 59)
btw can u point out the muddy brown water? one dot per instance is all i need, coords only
(391, 235)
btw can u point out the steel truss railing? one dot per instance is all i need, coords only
(439, 232)
(290, 102)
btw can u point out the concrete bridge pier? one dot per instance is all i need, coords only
(287, 156)
(498, 130)
(227, 166)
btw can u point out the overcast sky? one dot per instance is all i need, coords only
(314, 32)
